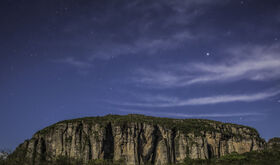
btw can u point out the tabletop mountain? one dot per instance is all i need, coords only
(138, 139)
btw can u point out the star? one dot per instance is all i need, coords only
(207, 54)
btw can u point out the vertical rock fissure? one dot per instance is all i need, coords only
(252, 145)
(89, 144)
(80, 131)
(108, 143)
(173, 135)
(34, 154)
(26, 149)
(89, 149)
(156, 141)
(209, 151)
(139, 144)
(62, 140)
(43, 150)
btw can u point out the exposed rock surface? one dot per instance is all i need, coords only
(3, 155)
(273, 143)
(138, 139)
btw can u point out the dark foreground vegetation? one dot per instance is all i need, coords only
(266, 157)
(269, 156)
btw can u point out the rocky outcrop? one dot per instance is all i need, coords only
(138, 139)
(3, 155)
(273, 143)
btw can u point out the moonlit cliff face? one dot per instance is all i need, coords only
(138, 139)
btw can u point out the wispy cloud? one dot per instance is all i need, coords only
(74, 62)
(189, 115)
(253, 63)
(230, 98)
(162, 101)
(144, 44)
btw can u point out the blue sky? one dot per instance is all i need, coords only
(210, 59)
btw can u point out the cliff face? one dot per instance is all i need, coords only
(273, 143)
(138, 139)
(3, 155)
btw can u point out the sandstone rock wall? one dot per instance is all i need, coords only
(137, 142)
(273, 143)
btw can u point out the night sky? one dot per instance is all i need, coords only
(210, 59)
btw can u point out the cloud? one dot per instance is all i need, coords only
(80, 64)
(162, 101)
(246, 63)
(189, 115)
(230, 98)
(144, 45)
